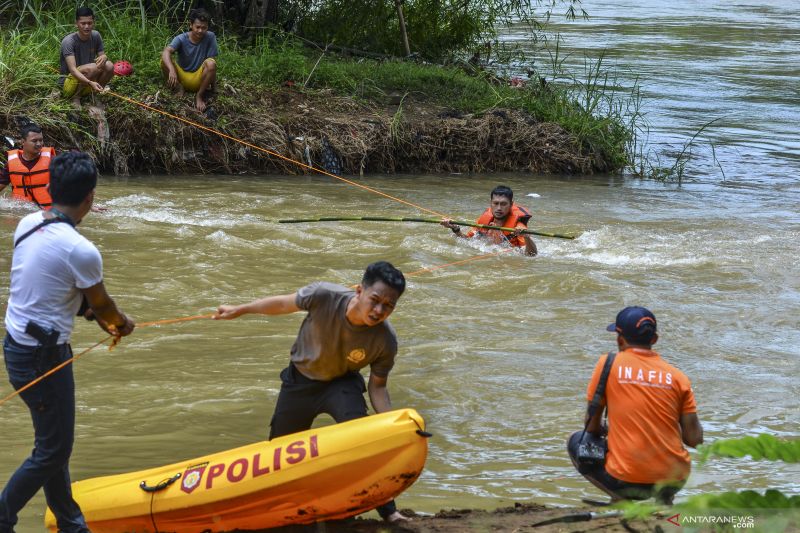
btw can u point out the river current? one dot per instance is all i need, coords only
(494, 353)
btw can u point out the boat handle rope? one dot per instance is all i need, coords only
(160, 486)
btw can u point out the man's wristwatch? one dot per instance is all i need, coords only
(456, 230)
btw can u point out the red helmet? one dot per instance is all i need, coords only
(123, 68)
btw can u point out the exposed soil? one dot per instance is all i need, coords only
(520, 517)
(336, 133)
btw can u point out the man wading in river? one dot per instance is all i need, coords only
(343, 332)
(27, 169)
(503, 212)
(53, 269)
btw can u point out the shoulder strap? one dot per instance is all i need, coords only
(48, 221)
(600, 391)
(523, 214)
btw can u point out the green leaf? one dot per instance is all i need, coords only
(746, 501)
(762, 447)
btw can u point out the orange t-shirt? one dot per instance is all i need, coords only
(646, 398)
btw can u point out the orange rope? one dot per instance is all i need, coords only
(173, 320)
(52, 371)
(474, 258)
(437, 267)
(198, 317)
(270, 152)
(210, 315)
(114, 343)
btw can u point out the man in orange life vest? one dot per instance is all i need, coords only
(502, 211)
(652, 413)
(28, 169)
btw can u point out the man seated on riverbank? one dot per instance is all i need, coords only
(27, 170)
(343, 332)
(651, 414)
(196, 68)
(503, 212)
(84, 65)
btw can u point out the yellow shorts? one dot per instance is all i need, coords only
(71, 85)
(190, 80)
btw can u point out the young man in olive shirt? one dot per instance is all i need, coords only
(344, 331)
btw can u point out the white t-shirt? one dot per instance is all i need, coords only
(47, 270)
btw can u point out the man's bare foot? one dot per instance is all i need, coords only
(200, 103)
(397, 516)
(76, 101)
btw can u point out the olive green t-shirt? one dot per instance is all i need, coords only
(328, 346)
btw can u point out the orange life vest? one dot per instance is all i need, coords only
(516, 216)
(31, 185)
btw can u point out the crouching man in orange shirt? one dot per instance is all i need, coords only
(651, 415)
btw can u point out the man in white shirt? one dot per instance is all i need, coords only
(56, 273)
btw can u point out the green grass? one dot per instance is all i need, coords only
(28, 55)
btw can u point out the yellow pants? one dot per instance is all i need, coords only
(190, 80)
(71, 85)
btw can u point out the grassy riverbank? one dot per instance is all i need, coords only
(380, 116)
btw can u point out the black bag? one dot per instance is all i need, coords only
(592, 448)
(591, 451)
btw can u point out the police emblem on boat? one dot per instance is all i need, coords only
(192, 477)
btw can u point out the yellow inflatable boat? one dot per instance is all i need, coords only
(326, 473)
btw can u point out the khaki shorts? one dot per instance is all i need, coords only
(190, 80)
(71, 85)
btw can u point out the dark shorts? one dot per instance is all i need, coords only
(302, 399)
(617, 487)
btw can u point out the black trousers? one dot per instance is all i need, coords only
(302, 399)
(617, 487)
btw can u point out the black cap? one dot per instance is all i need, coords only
(636, 324)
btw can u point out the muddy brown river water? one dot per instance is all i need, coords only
(494, 353)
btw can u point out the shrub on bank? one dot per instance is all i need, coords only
(267, 63)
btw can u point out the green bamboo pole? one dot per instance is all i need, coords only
(423, 220)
